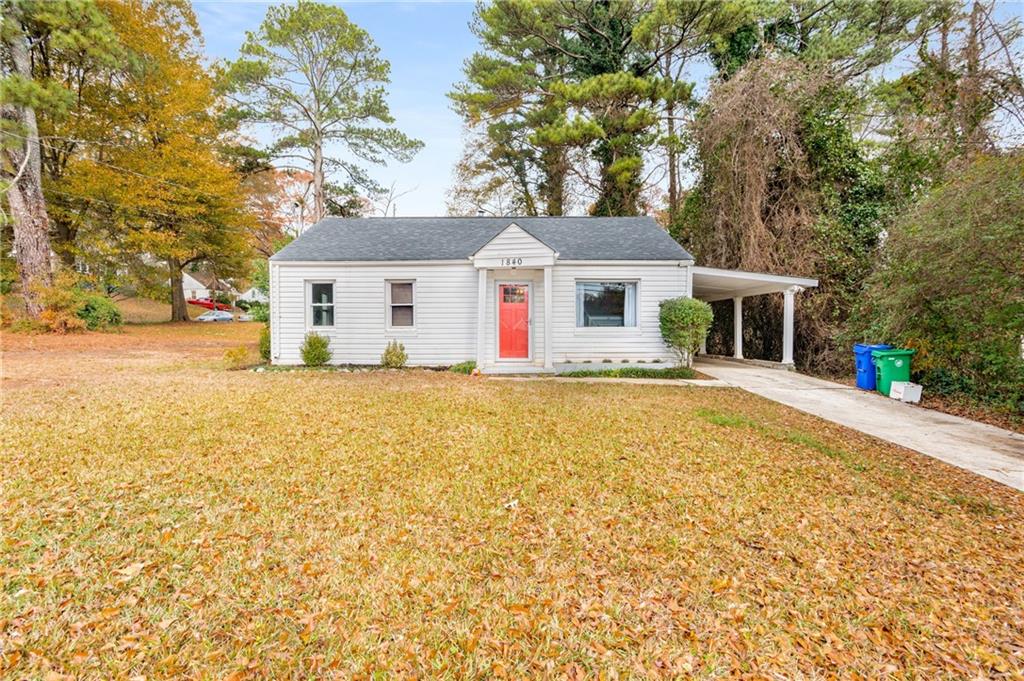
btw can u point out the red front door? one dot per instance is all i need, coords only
(513, 321)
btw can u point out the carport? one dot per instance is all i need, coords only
(711, 284)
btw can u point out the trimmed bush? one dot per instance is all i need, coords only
(463, 367)
(684, 324)
(315, 350)
(394, 356)
(265, 343)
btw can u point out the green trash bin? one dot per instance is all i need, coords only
(891, 365)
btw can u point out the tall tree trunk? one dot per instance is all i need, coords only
(670, 147)
(319, 204)
(25, 195)
(555, 172)
(179, 308)
(673, 164)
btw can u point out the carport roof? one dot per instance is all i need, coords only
(711, 284)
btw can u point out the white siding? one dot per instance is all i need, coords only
(275, 312)
(193, 288)
(445, 312)
(655, 283)
(514, 242)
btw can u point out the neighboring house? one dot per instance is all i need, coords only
(253, 295)
(514, 294)
(192, 287)
(200, 284)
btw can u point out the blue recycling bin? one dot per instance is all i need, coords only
(865, 364)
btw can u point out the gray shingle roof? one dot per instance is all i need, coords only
(447, 238)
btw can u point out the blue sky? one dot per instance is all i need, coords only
(426, 44)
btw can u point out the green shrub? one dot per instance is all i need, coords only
(260, 311)
(684, 324)
(265, 343)
(236, 358)
(951, 285)
(8, 274)
(70, 308)
(27, 325)
(315, 350)
(394, 356)
(98, 312)
(463, 367)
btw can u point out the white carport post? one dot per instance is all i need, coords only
(481, 313)
(737, 328)
(548, 361)
(788, 297)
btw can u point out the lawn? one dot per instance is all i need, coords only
(163, 517)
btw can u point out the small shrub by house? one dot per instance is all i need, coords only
(394, 356)
(684, 324)
(315, 350)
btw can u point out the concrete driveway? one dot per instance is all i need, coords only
(986, 450)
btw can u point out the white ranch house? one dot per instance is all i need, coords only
(514, 294)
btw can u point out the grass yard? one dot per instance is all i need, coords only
(163, 517)
(138, 310)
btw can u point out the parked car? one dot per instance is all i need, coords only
(208, 304)
(245, 317)
(215, 316)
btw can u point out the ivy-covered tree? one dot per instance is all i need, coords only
(787, 183)
(318, 79)
(963, 97)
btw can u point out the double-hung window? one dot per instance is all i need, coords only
(321, 303)
(605, 303)
(401, 307)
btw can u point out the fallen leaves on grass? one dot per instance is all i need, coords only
(163, 518)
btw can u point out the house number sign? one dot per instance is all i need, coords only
(511, 262)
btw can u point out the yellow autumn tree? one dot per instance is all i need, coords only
(160, 191)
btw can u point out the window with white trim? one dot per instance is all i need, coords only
(401, 304)
(605, 303)
(321, 303)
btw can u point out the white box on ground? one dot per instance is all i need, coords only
(905, 391)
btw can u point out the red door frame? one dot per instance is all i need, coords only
(497, 319)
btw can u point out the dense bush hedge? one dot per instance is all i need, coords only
(951, 285)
